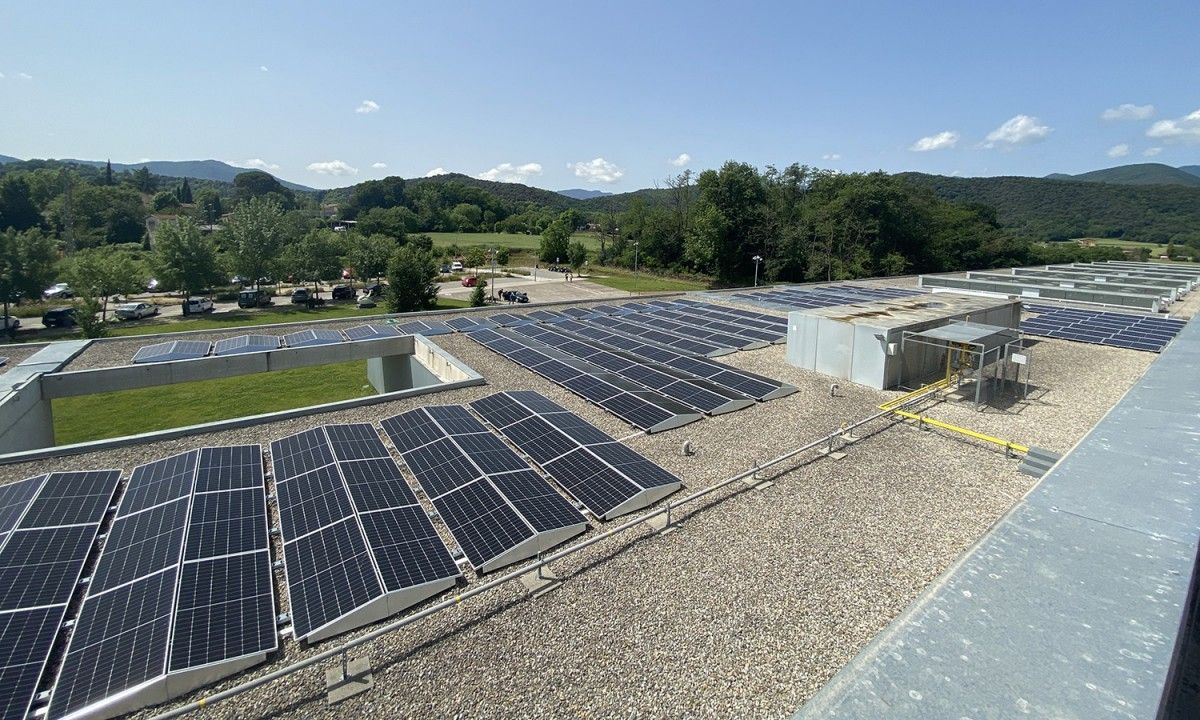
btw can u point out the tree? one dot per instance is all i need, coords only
(27, 264)
(143, 181)
(89, 318)
(91, 215)
(108, 179)
(316, 257)
(258, 184)
(184, 258)
(385, 193)
(394, 222)
(412, 275)
(503, 255)
(17, 209)
(101, 273)
(369, 254)
(256, 236)
(163, 200)
(475, 257)
(478, 295)
(577, 255)
(556, 237)
(208, 206)
(185, 192)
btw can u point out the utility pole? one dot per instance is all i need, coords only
(757, 259)
(492, 255)
(637, 279)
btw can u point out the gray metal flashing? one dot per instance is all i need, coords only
(1073, 604)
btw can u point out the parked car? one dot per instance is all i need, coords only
(59, 317)
(136, 310)
(456, 266)
(470, 281)
(343, 292)
(374, 290)
(445, 268)
(250, 297)
(58, 291)
(238, 280)
(514, 296)
(301, 296)
(152, 285)
(197, 305)
(9, 322)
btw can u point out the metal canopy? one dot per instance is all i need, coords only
(988, 336)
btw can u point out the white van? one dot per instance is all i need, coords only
(456, 266)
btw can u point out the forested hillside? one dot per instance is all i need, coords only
(1044, 209)
(1136, 174)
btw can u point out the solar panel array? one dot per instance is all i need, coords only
(183, 590)
(793, 298)
(635, 404)
(357, 545)
(255, 343)
(1137, 332)
(48, 527)
(497, 508)
(606, 477)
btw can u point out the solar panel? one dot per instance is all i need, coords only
(371, 332)
(48, 527)
(1136, 332)
(498, 510)
(170, 351)
(246, 344)
(469, 324)
(312, 338)
(649, 410)
(183, 592)
(608, 478)
(357, 544)
(509, 319)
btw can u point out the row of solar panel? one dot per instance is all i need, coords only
(183, 592)
(253, 343)
(784, 297)
(1136, 332)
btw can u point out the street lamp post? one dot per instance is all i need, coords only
(492, 255)
(637, 279)
(757, 259)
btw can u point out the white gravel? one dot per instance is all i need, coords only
(744, 611)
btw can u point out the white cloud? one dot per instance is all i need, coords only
(367, 106)
(597, 171)
(1128, 111)
(263, 68)
(332, 167)
(379, 165)
(944, 140)
(1151, 152)
(1118, 151)
(507, 172)
(1018, 130)
(680, 160)
(256, 163)
(25, 76)
(831, 156)
(438, 171)
(1185, 129)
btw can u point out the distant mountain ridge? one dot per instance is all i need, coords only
(1138, 174)
(199, 169)
(583, 194)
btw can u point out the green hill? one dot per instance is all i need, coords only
(1042, 209)
(1191, 169)
(1137, 174)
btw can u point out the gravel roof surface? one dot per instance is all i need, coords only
(747, 609)
(17, 354)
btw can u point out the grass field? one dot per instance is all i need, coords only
(513, 242)
(265, 316)
(1155, 249)
(620, 279)
(115, 414)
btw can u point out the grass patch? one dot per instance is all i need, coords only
(127, 412)
(443, 240)
(620, 279)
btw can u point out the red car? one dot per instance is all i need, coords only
(470, 281)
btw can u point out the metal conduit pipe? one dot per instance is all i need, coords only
(541, 562)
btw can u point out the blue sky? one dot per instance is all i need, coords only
(602, 95)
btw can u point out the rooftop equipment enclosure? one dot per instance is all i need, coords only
(862, 342)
